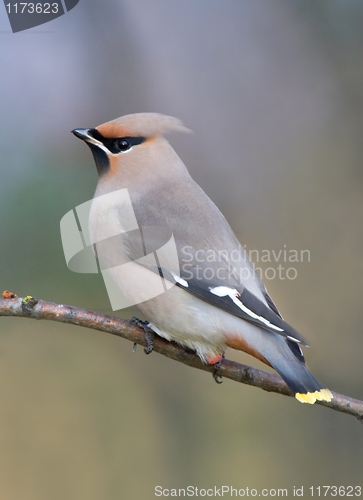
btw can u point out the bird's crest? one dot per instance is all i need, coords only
(141, 124)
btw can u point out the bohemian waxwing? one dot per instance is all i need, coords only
(211, 297)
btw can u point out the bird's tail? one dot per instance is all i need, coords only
(292, 368)
(306, 388)
(286, 357)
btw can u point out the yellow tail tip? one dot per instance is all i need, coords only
(311, 397)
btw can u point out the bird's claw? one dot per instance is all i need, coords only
(216, 367)
(139, 322)
(217, 378)
(149, 336)
(149, 333)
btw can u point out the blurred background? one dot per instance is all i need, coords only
(274, 94)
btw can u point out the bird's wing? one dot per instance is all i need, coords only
(216, 285)
(209, 275)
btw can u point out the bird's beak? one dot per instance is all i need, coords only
(82, 133)
(86, 135)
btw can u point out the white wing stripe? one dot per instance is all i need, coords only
(232, 293)
(180, 280)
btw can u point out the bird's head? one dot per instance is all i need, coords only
(131, 145)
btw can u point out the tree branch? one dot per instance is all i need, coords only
(30, 307)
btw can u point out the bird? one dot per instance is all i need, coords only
(213, 299)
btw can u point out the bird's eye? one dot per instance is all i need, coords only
(122, 144)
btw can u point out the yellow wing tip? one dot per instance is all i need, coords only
(311, 397)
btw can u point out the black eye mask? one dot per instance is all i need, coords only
(117, 144)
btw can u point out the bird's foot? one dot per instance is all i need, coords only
(149, 333)
(216, 362)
